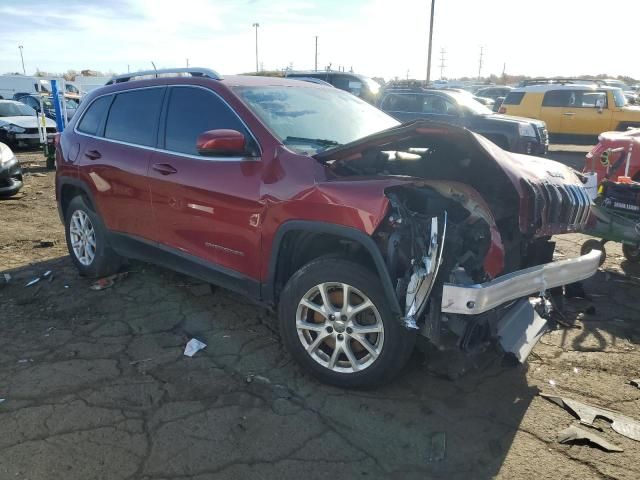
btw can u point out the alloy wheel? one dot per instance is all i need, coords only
(340, 327)
(83, 237)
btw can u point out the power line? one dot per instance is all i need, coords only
(442, 65)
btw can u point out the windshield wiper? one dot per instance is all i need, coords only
(317, 141)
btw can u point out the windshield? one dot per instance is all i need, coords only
(319, 118)
(11, 109)
(619, 97)
(467, 101)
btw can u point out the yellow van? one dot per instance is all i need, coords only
(573, 111)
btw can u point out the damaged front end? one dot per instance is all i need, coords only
(437, 241)
(466, 242)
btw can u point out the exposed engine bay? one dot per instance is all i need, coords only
(468, 214)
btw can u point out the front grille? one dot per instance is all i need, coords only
(556, 208)
(35, 130)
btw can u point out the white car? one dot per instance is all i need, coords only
(10, 172)
(19, 125)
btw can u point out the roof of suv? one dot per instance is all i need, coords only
(564, 86)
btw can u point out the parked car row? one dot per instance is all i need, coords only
(515, 134)
(19, 125)
(360, 232)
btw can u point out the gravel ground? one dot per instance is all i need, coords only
(95, 385)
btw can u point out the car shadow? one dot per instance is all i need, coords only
(423, 424)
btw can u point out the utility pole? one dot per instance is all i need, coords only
(433, 8)
(256, 25)
(187, 63)
(504, 73)
(24, 72)
(316, 64)
(480, 63)
(443, 52)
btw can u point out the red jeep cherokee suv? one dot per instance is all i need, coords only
(362, 232)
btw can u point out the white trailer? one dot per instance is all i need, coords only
(12, 84)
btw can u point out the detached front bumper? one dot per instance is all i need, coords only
(480, 298)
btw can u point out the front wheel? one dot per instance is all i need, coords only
(335, 320)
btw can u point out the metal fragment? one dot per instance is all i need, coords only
(576, 434)
(587, 414)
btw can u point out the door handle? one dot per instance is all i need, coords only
(164, 169)
(93, 155)
(569, 114)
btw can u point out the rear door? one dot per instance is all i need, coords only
(582, 115)
(206, 207)
(552, 110)
(115, 160)
(403, 107)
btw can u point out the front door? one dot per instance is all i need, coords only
(583, 115)
(205, 207)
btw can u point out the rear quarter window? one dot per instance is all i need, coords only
(133, 116)
(92, 118)
(513, 98)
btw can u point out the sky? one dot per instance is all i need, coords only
(381, 38)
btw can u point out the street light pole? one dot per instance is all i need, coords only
(256, 25)
(316, 68)
(433, 7)
(24, 72)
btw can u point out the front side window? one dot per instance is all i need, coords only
(438, 105)
(133, 116)
(619, 98)
(192, 111)
(315, 117)
(15, 109)
(92, 119)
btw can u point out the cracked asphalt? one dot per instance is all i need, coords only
(96, 386)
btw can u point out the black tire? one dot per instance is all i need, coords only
(397, 342)
(593, 244)
(105, 261)
(51, 163)
(631, 253)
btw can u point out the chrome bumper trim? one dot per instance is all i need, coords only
(479, 298)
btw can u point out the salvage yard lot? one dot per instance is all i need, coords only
(95, 385)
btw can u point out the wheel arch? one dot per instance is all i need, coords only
(67, 189)
(297, 242)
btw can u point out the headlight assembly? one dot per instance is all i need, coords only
(10, 127)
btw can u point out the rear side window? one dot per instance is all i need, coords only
(133, 117)
(92, 118)
(513, 98)
(193, 111)
(402, 102)
(558, 98)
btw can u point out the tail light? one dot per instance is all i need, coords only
(502, 110)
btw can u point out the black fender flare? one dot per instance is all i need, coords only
(62, 182)
(350, 233)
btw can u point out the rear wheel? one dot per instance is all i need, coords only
(631, 253)
(87, 242)
(336, 322)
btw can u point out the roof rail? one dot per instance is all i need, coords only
(194, 72)
(560, 81)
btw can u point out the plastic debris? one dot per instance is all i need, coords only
(7, 277)
(438, 447)
(587, 414)
(25, 360)
(2, 400)
(193, 346)
(107, 282)
(250, 378)
(577, 434)
(553, 383)
(47, 274)
(32, 282)
(635, 382)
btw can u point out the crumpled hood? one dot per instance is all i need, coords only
(25, 121)
(516, 166)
